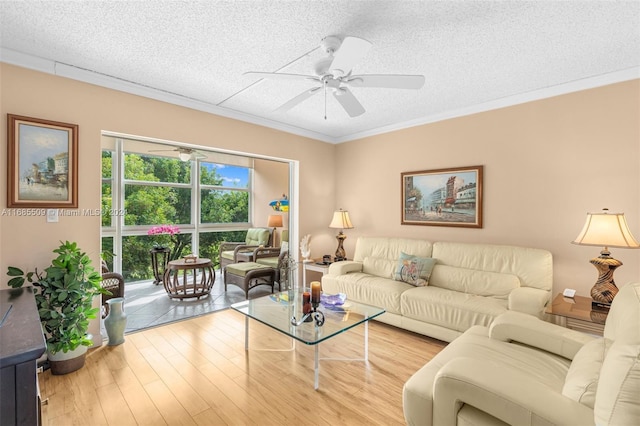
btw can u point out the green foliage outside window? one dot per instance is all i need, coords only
(158, 191)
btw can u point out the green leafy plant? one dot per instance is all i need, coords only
(65, 293)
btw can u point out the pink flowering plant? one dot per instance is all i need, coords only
(168, 234)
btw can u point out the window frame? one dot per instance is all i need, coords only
(117, 230)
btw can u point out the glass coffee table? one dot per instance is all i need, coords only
(277, 312)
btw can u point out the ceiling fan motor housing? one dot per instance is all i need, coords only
(330, 44)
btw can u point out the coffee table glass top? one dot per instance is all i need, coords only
(276, 311)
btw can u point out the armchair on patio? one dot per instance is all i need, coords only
(273, 256)
(113, 282)
(255, 238)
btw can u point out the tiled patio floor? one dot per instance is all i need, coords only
(147, 305)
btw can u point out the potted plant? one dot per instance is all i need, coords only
(65, 292)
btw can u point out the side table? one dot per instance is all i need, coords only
(197, 278)
(315, 267)
(577, 314)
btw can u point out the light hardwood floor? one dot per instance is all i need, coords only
(196, 372)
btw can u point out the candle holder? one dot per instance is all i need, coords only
(314, 315)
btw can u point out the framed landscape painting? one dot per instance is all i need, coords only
(443, 197)
(42, 163)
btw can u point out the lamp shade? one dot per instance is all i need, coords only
(606, 229)
(274, 221)
(341, 220)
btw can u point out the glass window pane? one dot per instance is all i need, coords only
(224, 175)
(217, 206)
(106, 251)
(156, 169)
(156, 205)
(136, 258)
(106, 203)
(107, 164)
(210, 243)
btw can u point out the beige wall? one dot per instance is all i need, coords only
(546, 164)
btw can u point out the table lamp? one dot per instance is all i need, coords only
(607, 230)
(274, 221)
(340, 221)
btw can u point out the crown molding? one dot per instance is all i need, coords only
(87, 76)
(534, 95)
(68, 71)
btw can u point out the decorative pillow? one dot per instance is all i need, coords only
(582, 378)
(414, 270)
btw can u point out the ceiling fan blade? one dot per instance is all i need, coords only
(281, 76)
(351, 51)
(392, 81)
(298, 99)
(349, 102)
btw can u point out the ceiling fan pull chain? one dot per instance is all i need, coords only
(325, 99)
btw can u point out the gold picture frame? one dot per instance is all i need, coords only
(42, 167)
(443, 197)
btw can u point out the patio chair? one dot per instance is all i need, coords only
(113, 282)
(273, 256)
(241, 251)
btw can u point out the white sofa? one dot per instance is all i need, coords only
(525, 371)
(471, 284)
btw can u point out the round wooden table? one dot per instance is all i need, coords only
(184, 280)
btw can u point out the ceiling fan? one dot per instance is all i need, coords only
(185, 154)
(333, 74)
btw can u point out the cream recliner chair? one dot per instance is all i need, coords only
(524, 371)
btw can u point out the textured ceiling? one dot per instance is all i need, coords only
(471, 53)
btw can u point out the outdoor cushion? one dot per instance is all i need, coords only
(241, 269)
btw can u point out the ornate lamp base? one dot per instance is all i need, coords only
(604, 290)
(340, 253)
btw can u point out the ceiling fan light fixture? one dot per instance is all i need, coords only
(184, 156)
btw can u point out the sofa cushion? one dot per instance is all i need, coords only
(369, 289)
(378, 266)
(533, 267)
(481, 283)
(619, 386)
(257, 236)
(414, 270)
(390, 248)
(582, 379)
(450, 309)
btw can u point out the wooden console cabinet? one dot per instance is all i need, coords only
(21, 344)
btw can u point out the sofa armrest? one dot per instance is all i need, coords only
(529, 300)
(503, 392)
(344, 267)
(529, 330)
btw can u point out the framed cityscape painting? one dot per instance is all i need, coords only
(443, 197)
(42, 163)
